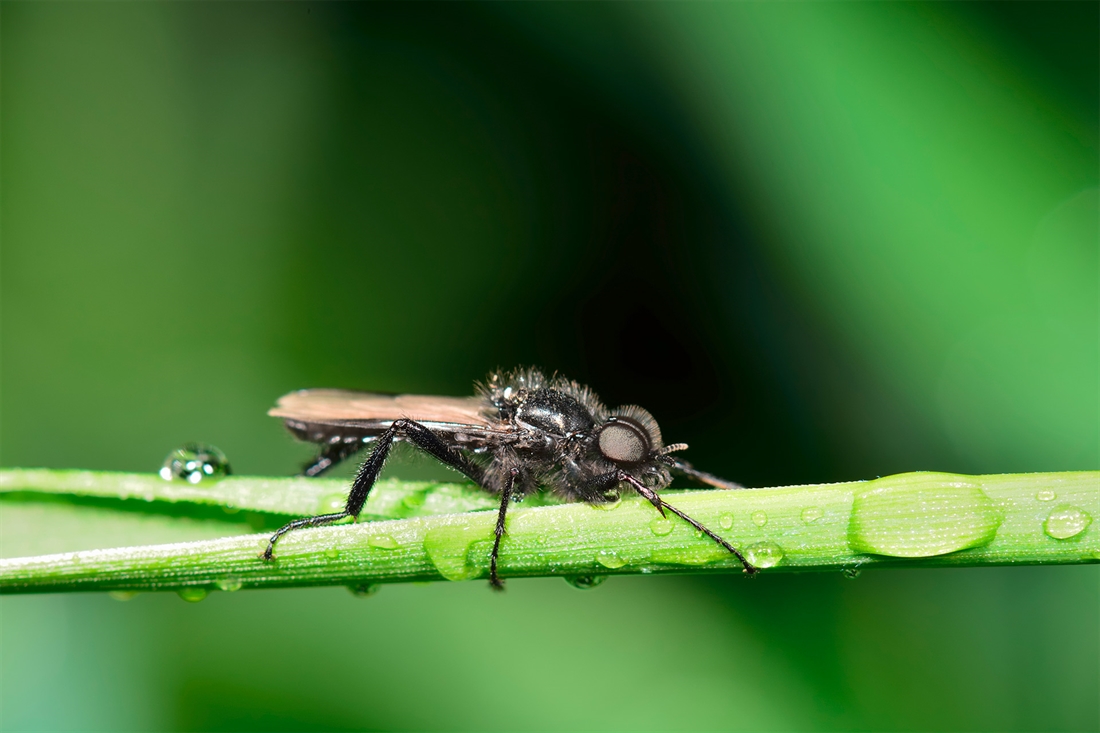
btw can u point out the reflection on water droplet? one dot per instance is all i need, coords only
(195, 462)
(362, 590)
(811, 514)
(1066, 522)
(725, 521)
(332, 503)
(230, 509)
(759, 518)
(610, 560)
(192, 593)
(660, 526)
(229, 583)
(384, 542)
(850, 573)
(1045, 495)
(764, 554)
(122, 595)
(585, 582)
(332, 553)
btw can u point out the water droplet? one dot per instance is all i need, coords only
(850, 573)
(332, 503)
(660, 526)
(332, 553)
(122, 595)
(384, 542)
(764, 554)
(192, 593)
(610, 560)
(448, 548)
(585, 582)
(1066, 522)
(1045, 495)
(922, 515)
(229, 583)
(195, 462)
(759, 518)
(362, 590)
(415, 499)
(230, 509)
(811, 514)
(725, 521)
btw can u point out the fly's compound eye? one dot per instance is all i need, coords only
(623, 441)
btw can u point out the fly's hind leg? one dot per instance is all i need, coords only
(409, 430)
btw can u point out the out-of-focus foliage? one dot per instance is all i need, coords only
(819, 241)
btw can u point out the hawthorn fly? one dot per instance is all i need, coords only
(522, 431)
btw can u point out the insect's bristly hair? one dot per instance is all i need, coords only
(642, 417)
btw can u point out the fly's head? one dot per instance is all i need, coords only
(631, 440)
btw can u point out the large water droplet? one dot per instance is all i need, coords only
(921, 515)
(660, 526)
(332, 553)
(608, 506)
(609, 559)
(448, 548)
(122, 595)
(229, 583)
(765, 554)
(362, 590)
(759, 518)
(192, 593)
(725, 521)
(1045, 495)
(811, 514)
(1066, 522)
(585, 582)
(384, 542)
(195, 462)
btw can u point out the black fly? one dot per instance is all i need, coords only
(521, 432)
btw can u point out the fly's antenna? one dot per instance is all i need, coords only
(675, 447)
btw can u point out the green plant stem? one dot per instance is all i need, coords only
(925, 519)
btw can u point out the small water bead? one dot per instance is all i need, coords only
(192, 593)
(764, 554)
(195, 462)
(1066, 522)
(332, 553)
(585, 582)
(384, 542)
(811, 514)
(610, 560)
(850, 573)
(1045, 495)
(229, 583)
(122, 595)
(660, 526)
(332, 503)
(725, 521)
(362, 590)
(759, 518)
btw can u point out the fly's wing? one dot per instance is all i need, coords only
(367, 413)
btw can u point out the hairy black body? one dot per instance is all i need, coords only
(522, 433)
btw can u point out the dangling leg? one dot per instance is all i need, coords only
(416, 434)
(505, 497)
(655, 499)
(332, 454)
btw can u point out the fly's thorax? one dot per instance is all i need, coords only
(554, 413)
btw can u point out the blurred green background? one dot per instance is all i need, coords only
(819, 241)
